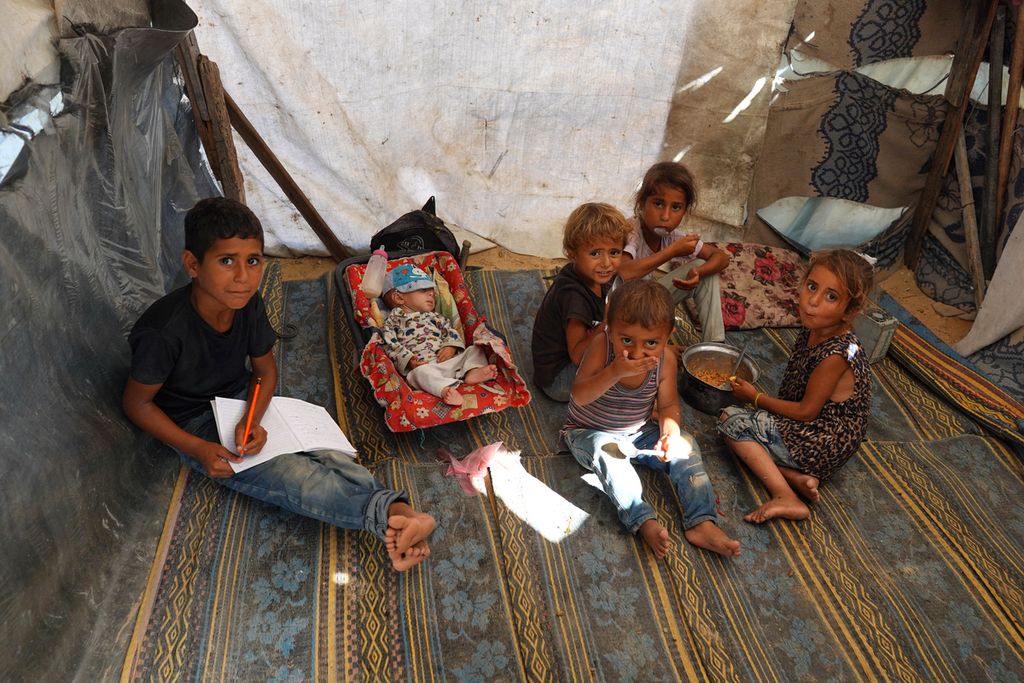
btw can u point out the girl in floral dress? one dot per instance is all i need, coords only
(796, 440)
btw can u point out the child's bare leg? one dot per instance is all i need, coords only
(656, 537)
(709, 536)
(803, 483)
(784, 502)
(481, 374)
(450, 395)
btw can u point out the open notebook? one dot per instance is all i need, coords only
(292, 426)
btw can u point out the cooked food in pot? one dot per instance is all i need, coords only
(715, 378)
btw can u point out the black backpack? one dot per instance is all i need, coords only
(417, 231)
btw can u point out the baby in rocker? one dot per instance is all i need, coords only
(423, 344)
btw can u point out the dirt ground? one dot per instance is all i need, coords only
(900, 285)
(497, 258)
(304, 268)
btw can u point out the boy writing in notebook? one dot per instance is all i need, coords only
(193, 344)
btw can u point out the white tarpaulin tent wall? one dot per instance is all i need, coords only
(510, 113)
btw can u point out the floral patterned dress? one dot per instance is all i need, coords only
(822, 446)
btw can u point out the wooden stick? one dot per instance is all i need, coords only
(187, 54)
(230, 175)
(987, 230)
(969, 50)
(284, 180)
(963, 176)
(1010, 116)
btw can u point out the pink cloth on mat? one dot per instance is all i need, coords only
(472, 467)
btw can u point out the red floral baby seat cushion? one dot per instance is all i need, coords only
(405, 408)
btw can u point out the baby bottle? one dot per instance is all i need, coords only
(373, 278)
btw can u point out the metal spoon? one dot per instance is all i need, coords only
(727, 385)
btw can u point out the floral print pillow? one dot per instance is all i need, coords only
(760, 287)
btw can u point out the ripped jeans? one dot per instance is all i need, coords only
(326, 485)
(595, 450)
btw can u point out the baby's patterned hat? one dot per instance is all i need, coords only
(407, 278)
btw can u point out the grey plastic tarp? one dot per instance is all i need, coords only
(90, 234)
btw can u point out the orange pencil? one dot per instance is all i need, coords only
(248, 419)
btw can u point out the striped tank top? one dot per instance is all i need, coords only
(620, 410)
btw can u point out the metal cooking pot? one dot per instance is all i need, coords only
(717, 357)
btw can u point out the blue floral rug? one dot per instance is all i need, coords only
(906, 569)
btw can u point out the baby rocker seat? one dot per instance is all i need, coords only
(405, 408)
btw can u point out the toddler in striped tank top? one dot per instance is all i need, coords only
(623, 374)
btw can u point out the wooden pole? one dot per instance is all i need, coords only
(204, 89)
(987, 231)
(284, 179)
(969, 50)
(187, 54)
(220, 127)
(1010, 115)
(963, 176)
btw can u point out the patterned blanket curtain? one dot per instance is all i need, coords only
(852, 33)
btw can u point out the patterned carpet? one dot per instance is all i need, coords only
(910, 568)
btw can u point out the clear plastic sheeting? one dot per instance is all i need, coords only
(90, 234)
(25, 121)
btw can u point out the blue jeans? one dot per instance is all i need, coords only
(326, 485)
(742, 424)
(593, 450)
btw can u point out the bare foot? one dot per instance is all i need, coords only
(789, 507)
(410, 558)
(707, 535)
(407, 529)
(484, 374)
(656, 537)
(451, 395)
(804, 484)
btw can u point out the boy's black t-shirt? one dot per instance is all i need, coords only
(569, 298)
(173, 346)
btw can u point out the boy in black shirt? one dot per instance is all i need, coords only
(192, 345)
(593, 239)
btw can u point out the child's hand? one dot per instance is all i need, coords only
(743, 390)
(674, 447)
(257, 439)
(691, 281)
(215, 458)
(446, 353)
(624, 367)
(685, 245)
